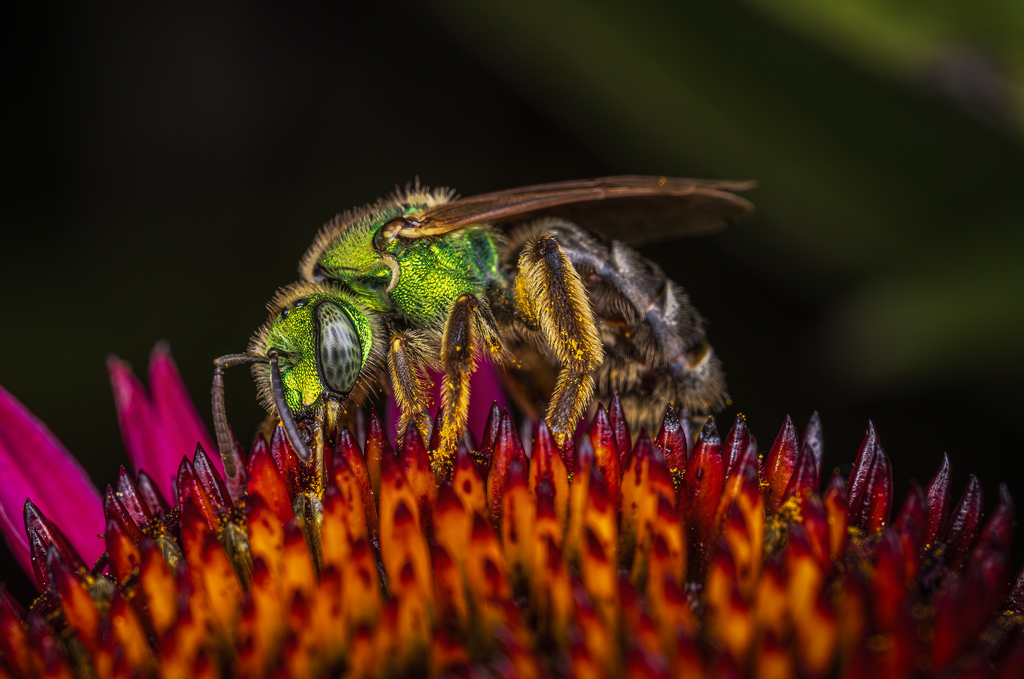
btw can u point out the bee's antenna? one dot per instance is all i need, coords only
(290, 429)
(220, 417)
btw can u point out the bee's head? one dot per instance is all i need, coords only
(316, 346)
(323, 341)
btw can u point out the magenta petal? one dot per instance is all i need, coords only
(16, 539)
(485, 387)
(181, 422)
(145, 441)
(391, 414)
(35, 465)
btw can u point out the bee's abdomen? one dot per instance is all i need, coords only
(656, 349)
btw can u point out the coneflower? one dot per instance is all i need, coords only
(619, 556)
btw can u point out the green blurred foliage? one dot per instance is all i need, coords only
(907, 206)
(910, 38)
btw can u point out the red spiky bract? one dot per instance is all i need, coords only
(911, 527)
(606, 452)
(265, 480)
(191, 490)
(623, 439)
(211, 479)
(347, 452)
(490, 433)
(378, 446)
(673, 442)
(526, 570)
(508, 448)
(870, 485)
(735, 445)
(702, 489)
(130, 497)
(813, 442)
(43, 535)
(963, 525)
(805, 475)
(779, 465)
(151, 495)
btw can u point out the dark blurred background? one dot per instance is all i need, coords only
(165, 166)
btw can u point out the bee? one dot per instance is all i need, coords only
(531, 277)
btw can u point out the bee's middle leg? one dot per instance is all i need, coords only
(469, 324)
(551, 295)
(410, 386)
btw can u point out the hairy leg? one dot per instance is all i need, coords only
(410, 386)
(469, 327)
(550, 294)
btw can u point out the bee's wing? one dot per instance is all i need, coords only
(631, 208)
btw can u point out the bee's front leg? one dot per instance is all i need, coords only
(410, 386)
(469, 324)
(550, 294)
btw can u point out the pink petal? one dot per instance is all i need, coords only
(16, 539)
(182, 424)
(148, 445)
(391, 414)
(486, 386)
(35, 465)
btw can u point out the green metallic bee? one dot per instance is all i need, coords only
(421, 280)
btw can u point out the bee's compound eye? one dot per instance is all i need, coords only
(340, 355)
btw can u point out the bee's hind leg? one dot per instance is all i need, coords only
(469, 325)
(550, 294)
(410, 386)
